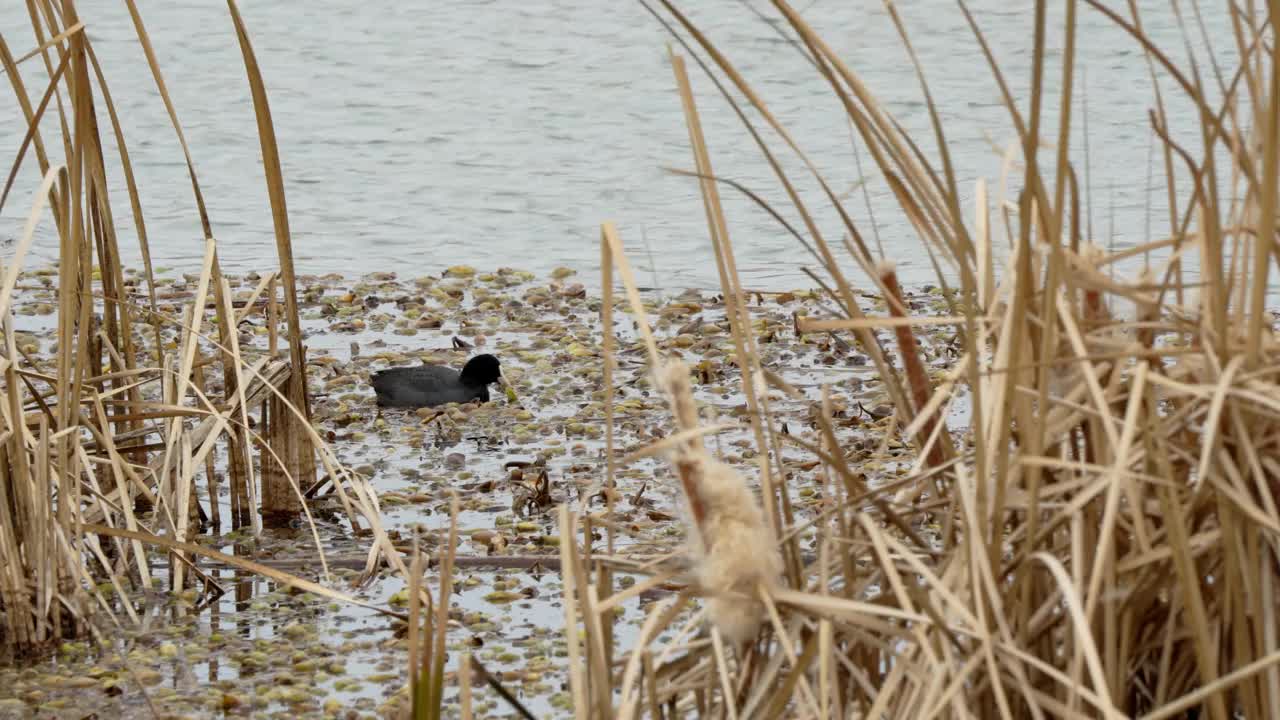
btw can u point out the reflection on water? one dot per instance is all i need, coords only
(504, 132)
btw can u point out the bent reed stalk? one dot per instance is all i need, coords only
(1109, 526)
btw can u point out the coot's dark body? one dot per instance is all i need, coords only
(429, 385)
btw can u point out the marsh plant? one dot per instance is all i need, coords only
(107, 447)
(1101, 539)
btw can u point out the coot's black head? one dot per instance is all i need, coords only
(481, 370)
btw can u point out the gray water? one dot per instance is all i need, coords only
(415, 136)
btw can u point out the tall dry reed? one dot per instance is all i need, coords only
(1109, 518)
(120, 421)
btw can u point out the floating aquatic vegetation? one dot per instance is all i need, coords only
(510, 461)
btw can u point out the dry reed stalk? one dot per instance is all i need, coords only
(775, 493)
(866, 340)
(239, 452)
(279, 505)
(301, 458)
(603, 574)
(577, 677)
(427, 650)
(415, 636)
(464, 686)
(273, 319)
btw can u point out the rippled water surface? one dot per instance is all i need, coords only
(415, 136)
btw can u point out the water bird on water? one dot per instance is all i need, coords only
(428, 385)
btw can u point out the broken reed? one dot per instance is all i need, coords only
(1105, 532)
(121, 421)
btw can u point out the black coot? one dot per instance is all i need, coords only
(428, 385)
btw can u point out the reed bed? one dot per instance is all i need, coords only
(117, 447)
(1100, 541)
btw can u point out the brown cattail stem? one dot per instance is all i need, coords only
(1095, 317)
(917, 378)
(686, 416)
(688, 481)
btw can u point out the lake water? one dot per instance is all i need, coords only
(502, 133)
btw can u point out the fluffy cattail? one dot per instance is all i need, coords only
(733, 550)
